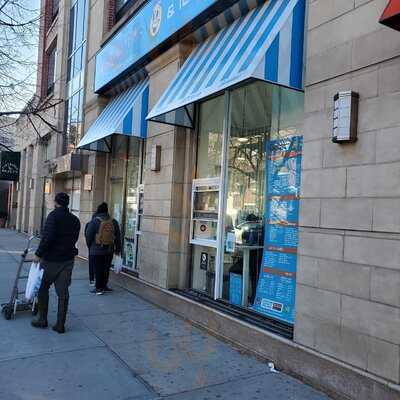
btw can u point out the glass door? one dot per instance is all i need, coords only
(126, 169)
(209, 158)
(118, 171)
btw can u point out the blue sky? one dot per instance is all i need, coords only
(20, 72)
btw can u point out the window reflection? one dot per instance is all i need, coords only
(260, 112)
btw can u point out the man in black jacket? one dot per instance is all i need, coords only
(102, 250)
(56, 254)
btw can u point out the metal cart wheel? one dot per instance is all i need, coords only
(8, 312)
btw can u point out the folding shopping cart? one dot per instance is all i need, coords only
(17, 300)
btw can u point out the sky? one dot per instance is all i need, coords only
(29, 53)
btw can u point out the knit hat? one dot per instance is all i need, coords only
(102, 208)
(62, 199)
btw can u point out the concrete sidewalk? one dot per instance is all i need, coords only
(120, 347)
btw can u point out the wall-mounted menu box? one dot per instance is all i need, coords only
(205, 205)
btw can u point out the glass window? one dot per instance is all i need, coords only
(262, 189)
(80, 22)
(51, 66)
(75, 74)
(72, 28)
(209, 147)
(251, 117)
(257, 257)
(120, 4)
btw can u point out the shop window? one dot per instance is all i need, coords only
(254, 263)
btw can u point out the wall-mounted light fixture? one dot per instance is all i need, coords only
(345, 117)
(48, 187)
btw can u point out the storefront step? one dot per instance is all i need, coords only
(338, 380)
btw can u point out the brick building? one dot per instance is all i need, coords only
(207, 126)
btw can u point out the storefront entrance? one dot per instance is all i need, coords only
(249, 144)
(125, 191)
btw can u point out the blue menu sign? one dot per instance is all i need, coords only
(276, 289)
(157, 21)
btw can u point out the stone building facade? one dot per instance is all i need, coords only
(343, 335)
(349, 278)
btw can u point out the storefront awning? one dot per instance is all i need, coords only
(265, 44)
(124, 115)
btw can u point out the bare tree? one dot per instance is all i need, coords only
(19, 97)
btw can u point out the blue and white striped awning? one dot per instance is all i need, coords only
(124, 115)
(265, 44)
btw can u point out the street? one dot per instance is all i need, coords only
(118, 346)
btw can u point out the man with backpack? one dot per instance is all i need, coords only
(56, 254)
(103, 238)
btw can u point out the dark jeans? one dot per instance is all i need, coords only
(102, 265)
(91, 269)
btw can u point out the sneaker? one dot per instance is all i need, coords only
(98, 292)
(108, 289)
(91, 283)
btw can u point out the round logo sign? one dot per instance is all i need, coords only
(203, 227)
(156, 18)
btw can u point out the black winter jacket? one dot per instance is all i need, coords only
(59, 236)
(91, 230)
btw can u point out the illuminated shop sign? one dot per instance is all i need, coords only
(391, 15)
(155, 23)
(9, 165)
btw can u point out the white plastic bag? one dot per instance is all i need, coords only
(34, 281)
(117, 264)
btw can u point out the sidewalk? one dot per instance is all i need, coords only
(119, 347)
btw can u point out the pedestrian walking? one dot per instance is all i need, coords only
(103, 238)
(56, 254)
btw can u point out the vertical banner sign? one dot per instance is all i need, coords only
(9, 165)
(276, 289)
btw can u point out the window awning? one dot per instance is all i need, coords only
(124, 115)
(266, 44)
